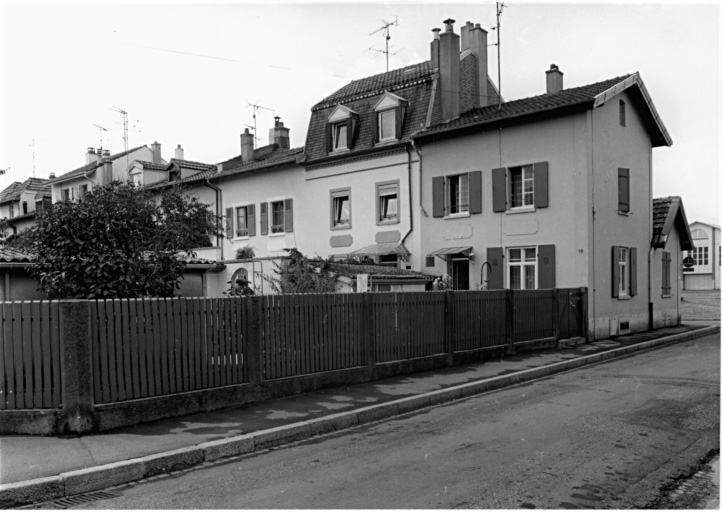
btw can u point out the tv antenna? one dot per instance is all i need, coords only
(387, 37)
(100, 133)
(252, 128)
(125, 127)
(500, 6)
(32, 145)
(3, 171)
(256, 107)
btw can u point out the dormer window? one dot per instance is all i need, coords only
(340, 129)
(339, 133)
(388, 118)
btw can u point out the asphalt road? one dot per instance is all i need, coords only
(605, 436)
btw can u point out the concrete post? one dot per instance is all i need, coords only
(76, 371)
(449, 322)
(254, 343)
(368, 336)
(510, 321)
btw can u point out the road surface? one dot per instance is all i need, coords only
(604, 436)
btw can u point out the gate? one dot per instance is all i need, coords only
(572, 312)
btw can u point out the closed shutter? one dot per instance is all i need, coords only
(264, 218)
(615, 272)
(495, 280)
(375, 127)
(229, 223)
(288, 215)
(399, 121)
(329, 141)
(666, 273)
(251, 219)
(624, 190)
(546, 266)
(351, 125)
(541, 184)
(438, 196)
(499, 190)
(475, 192)
(429, 261)
(633, 271)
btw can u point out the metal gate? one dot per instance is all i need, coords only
(572, 312)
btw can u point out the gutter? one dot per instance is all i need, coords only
(219, 209)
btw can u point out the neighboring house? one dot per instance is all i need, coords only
(19, 202)
(705, 272)
(379, 278)
(15, 281)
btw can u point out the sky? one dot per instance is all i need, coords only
(187, 73)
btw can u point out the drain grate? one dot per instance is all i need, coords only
(74, 501)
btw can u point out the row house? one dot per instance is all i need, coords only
(19, 202)
(702, 271)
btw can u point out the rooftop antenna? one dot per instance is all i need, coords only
(256, 107)
(387, 37)
(500, 6)
(100, 133)
(125, 127)
(254, 129)
(32, 145)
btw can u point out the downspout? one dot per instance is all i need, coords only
(650, 238)
(594, 268)
(219, 209)
(409, 187)
(419, 156)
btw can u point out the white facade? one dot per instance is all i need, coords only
(705, 273)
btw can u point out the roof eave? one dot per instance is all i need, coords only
(353, 154)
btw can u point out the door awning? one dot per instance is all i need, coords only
(381, 250)
(441, 253)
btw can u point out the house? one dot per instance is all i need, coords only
(15, 281)
(377, 278)
(704, 274)
(19, 202)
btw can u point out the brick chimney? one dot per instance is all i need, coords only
(179, 153)
(156, 149)
(449, 71)
(247, 146)
(278, 134)
(478, 46)
(91, 157)
(434, 48)
(554, 79)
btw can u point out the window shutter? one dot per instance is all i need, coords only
(375, 127)
(438, 196)
(351, 124)
(499, 190)
(264, 218)
(495, 280)
(329, 143)
(229, 223)
(615, 273)
(624, 190)
(546, 265)
(429, 261)
(399, 121)
(633, 271)
(541, 184)
(666, 273)
(288, 215)
(475, 192)
(251, 219)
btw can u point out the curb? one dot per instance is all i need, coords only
(117, 473)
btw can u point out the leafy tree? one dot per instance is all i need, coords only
(300, 274)
(118, 243)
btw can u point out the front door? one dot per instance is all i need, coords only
(460, 274)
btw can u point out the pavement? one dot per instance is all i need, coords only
(36, 469)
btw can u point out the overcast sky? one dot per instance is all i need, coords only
(186, 72)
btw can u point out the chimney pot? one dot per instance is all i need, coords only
(448, 25)
(554, 79)
(434, 48)
(51, 176)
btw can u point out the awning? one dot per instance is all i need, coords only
(382, 249)
(465, 251)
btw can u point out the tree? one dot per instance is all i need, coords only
(118, 243)
(300, 274)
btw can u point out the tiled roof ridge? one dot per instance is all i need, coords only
(278, 155)
(93, 165)
(179, 160)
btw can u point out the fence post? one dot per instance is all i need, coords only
(449, 322)
(510, 320)
(76, 372)
(368, 331)
(255, 342)
(556, 313)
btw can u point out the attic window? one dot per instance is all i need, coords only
(622, 112)
(388, 118)
(340, 129)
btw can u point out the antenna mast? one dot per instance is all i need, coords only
(125, 127)
(256, 107)
(387, 36)
(500, 6)
(33, 146)
(100, 133)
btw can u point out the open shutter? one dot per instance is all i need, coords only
(264, 218)
(229, 223)
(288, 215)
(329, 143)
(251, 219)
(499, 190)
(633, 271)
(399, 121)
(541, 184)
(438, 196)
(495, 280)
(624, 190)
(546, 266)
(615, 272)
(350, 130)
(375, 127)
(475, 192)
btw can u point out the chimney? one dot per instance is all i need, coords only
(156, 149)
(51, 176)
(247, 146)
(435, 49)
(179, 153)
(106, 154)
(478, 46)
(279, 135)
(554, 79)
(91, 157)
(449, 71)
(465, 35)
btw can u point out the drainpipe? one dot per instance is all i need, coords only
(419, 156)
(219, 209)
(409, 181)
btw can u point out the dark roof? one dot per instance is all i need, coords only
(14, 190)
(278, 157)
(152, 166)
(188, 164)
(669, 212)
(376, 271)
(92, 166)
(8, 255)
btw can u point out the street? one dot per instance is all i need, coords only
(604, 436)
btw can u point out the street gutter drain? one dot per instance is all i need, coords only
(77, 500)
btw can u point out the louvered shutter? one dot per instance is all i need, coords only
(615, 272)
(438, 196)
(251, 219)
(375, 127)
(229, 223)
(624, 190)
(264, 218)
(666, 273)
(495, 281)
(633, 271)
(288, 215)
(399, 121)
(475, 192)
(329, 142)
(499, 190)
(546, 266)
(541, 184)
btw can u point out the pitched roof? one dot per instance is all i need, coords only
(376, 271)
(669, 212)
(278, 157)
(152, 166)
(189, 164)
(91, 166)
(9, 255)
(14, 190)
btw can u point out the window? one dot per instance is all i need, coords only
(700, 255)
(522, 268)
(25, 207)
(388, 118)
(698, 234)
(621, 112)
(65, 194)
(624, 278)
(242, 222)
(623, 272)
(339, 132)
(666, 273)
(277, 217)
(82, 191)
(388, 202)
(458, 199)
(137, 179)
(340, 129)
(522, 187)
(623, 190)
(387, 130)
(341, 209)
(389, 260)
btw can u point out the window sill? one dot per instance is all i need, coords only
(339, 151)
(624, 297)
(240, 238)
(520, 209)
(341, 227)
(387, 222)
(624, 214)
(666, 296)
(278, 234)
(461, 215)
(386, 142)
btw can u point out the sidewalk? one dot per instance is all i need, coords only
(72, 465)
